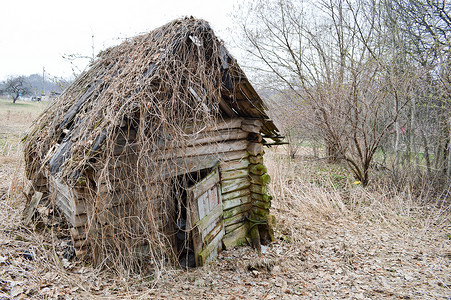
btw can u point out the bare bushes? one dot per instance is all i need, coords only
(300, 191)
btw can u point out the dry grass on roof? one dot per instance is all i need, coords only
(146, 90)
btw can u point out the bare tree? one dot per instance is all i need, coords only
(16, 87)
(338, 66)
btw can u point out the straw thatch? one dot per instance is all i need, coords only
(121, 126)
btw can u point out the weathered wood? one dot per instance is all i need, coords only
(253, 122)
(31, 207)
(212, 249)
(235, 194)
(254, 233)
(257, 169)
(233, 174)
(80, 220)
(212, 234)
(80, 243)
(192, 164)
(259, 189)
(218, 136)
(210, 148)
(236, 210)
(228, 204)
(262, 205)
(234, 165)
(64, 204)
(255, 137)
(260, 179)
(210, 218)
(250, 128)
(221, 124)
(204, 149)
(235, 237)
(81, 207)
(256, 159)
(259, 212)
(226, 108)
(255, 148)
(205, 184)
(232, 227)
(261, 197)
(64, 197)
(235, 155)
(78, 233)
(239, 218)
(234, 184)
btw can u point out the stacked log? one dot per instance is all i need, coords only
(259, 217)
(236, 199)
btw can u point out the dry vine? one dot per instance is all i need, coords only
(117, 132)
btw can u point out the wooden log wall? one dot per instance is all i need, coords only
(259, 217)
(226, 142)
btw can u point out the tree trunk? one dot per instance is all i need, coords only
(332, 152)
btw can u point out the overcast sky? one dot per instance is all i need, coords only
(37, 33)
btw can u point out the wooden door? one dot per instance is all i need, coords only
(206, 216)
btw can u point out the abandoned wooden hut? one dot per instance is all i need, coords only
(155, 153)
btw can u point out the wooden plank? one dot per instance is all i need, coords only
(80, 220)
(259, 189)
(81, 206)
(261, 197)
(205, 184)
(255, 148)
(237, 210)
(262, 204)
(233, 165)
(192, 164)
(31, 207)
(226, 108)
(216, 136)
(254, 122)
(257, 169)
(207, 238)
(258, 159)
(78, 233)
(236, 219)
(235, 194)
(211, 251)
(221, 124)
(210, 218)
(206, 149)
(236, 237)
(232, 227)
(228, 204)
(234, 184)
(64, 197)
(235, 155)
(260, 179)
(251, 128)
(210, 148)
(233, 174)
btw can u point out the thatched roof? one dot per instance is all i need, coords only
(155, 93)
(179, 71)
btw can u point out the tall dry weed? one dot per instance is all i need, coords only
(301, 193)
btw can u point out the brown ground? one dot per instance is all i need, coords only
(329, 244)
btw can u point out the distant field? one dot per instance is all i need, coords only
(15, 119)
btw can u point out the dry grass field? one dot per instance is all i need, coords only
(334, 240)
